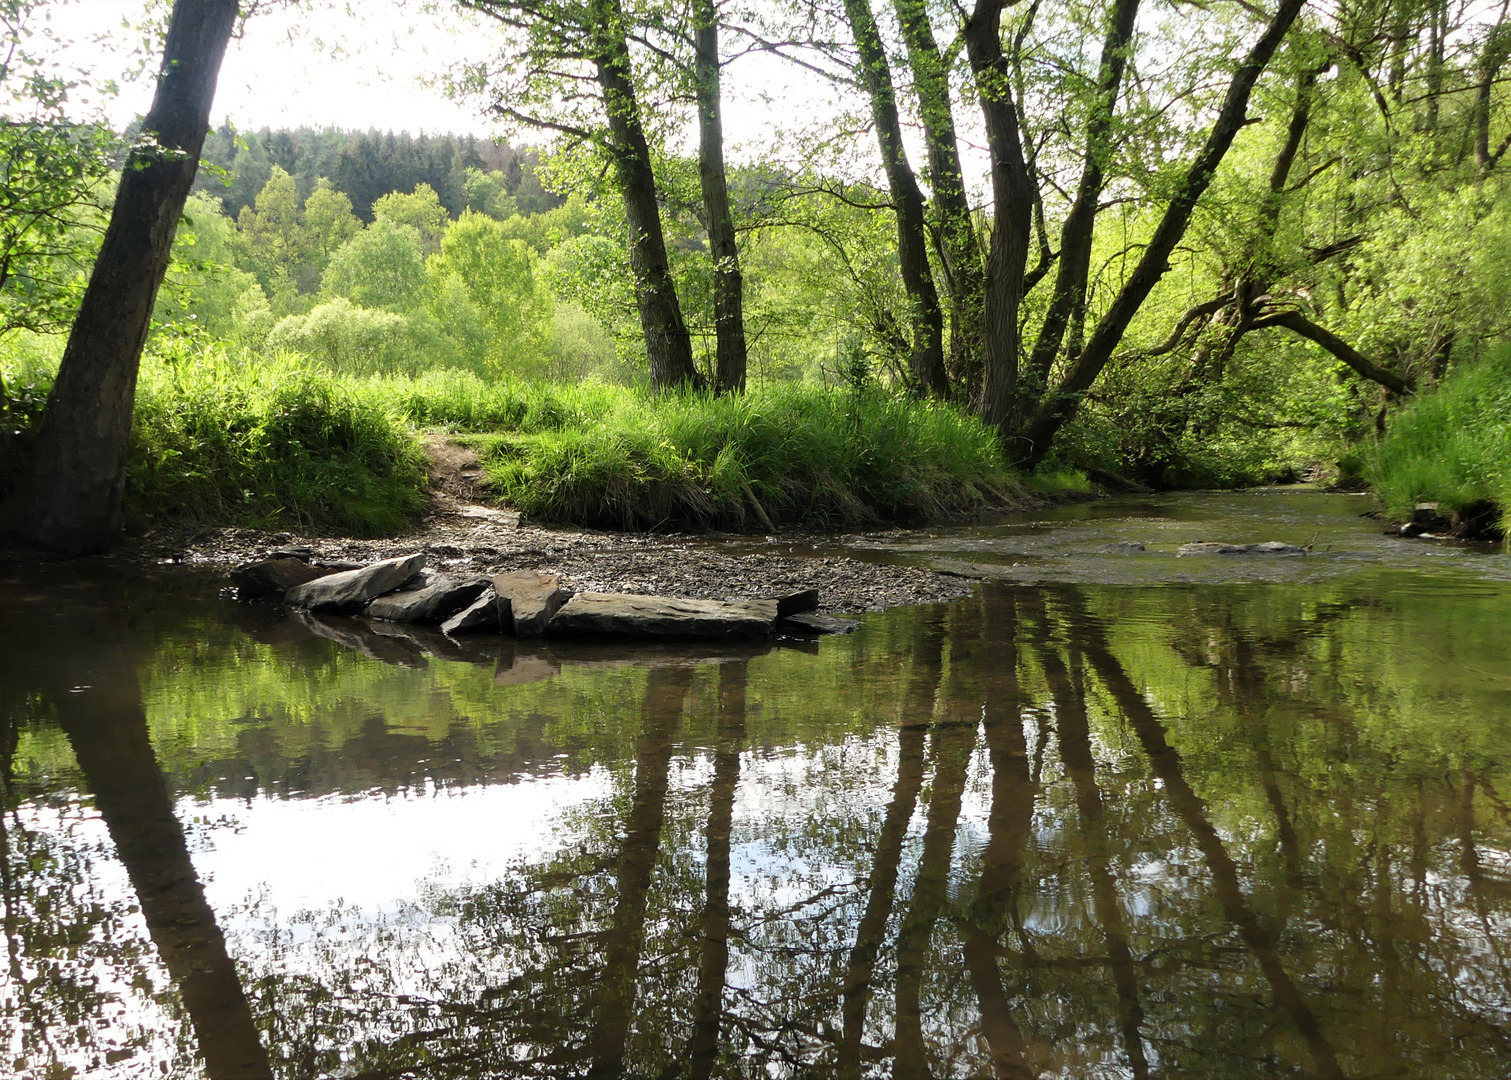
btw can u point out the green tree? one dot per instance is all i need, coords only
(497, 275)
(420, 210)
(379, 267)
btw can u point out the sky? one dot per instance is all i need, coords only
(362, 64)
(356, 64)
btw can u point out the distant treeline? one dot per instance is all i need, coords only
(366, 165)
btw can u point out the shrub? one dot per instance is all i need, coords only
(1452, 446)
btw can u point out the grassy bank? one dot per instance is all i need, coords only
(275, 443)
(1451, 447)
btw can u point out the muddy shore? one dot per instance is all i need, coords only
(465, 538)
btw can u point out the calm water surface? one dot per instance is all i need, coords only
(1113, 816)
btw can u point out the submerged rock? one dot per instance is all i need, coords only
(811, 622)
(434, 601)
(1269, 547)
(628, 615)
(526, 601)
(274, 577)
(1123, 547)
(350, 590)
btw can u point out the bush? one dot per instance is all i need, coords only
(1452, 446)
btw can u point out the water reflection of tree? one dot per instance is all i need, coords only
(1086, 846)
(83, 677)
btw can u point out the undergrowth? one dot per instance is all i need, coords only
(282, 443)
(1452, 446)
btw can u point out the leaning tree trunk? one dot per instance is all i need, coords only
(667, 344)
(1059, 405)
(927, 356)
(729, 316)
(69, 498)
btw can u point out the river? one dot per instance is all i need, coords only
(1118, 814)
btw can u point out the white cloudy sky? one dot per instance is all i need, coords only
(365, 64)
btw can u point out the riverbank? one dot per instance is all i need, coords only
(463, 538)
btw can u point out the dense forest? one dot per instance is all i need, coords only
(1185, 246)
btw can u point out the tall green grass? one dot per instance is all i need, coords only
(1452, 446)
(269, 443)
(613, 457)
(281, 443)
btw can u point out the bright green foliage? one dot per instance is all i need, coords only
(488, 193)
(204, 288)
(478, 266)
(344, 337)
(54, 180)
(1453, 446)
(421, 210)
(380, 267)
(275, 239)
(328, 220)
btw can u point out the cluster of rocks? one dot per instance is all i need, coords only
(520, 603)
(1269, 547)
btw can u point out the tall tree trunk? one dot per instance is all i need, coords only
(713, 964)
(660, 716)
(1060, 405)
(927, 357)
(729, 315)
(1067, 305)
(959, 251)
(1012, 194)
(69, 498)
(667, 344)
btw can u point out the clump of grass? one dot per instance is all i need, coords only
(267, 443)
(1452, 446)
(614, 457)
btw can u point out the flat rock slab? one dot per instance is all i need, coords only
(796, 603)
(434, 602)
(527, 600)
(482, 616)
(629, 615)
(1271, 547)
(361, 638)
(811, 622)
(274, 577)
(350, 590)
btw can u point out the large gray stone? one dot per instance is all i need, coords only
(351, 590)
(532, 598)
(274, 577)
(434, 601)
(484, 615)
(626, 615)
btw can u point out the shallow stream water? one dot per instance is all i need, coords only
(1119, 814)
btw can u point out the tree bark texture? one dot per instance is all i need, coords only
(1012, 194)
(956, 242)
(667, 343)
(1035, 438)
(729, 316)
(69, 499)
(926, 361)
(1067, 305)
